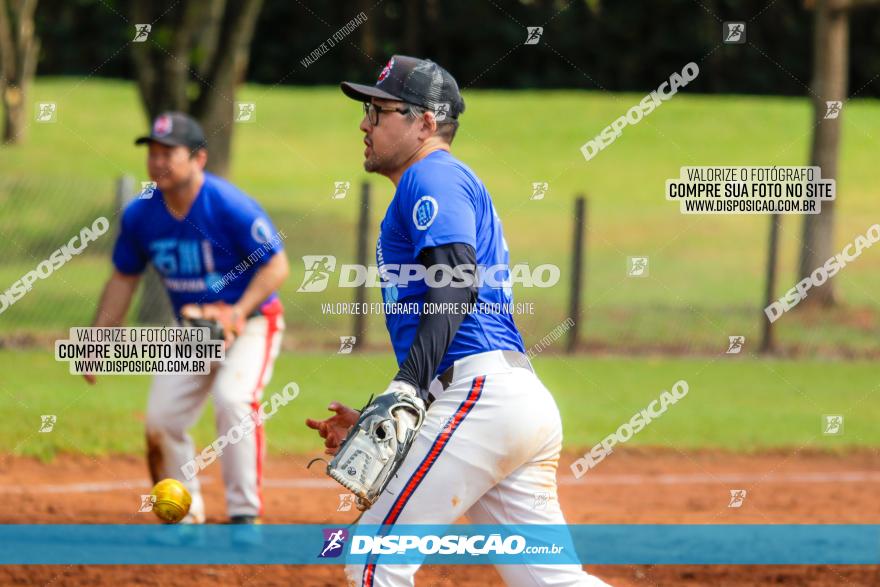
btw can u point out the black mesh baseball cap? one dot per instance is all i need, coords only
(416, 81)
(175, 129)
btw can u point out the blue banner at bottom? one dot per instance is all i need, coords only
(824, 544)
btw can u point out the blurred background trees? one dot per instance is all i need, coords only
(631, 45)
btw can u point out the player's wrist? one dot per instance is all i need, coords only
(237, 315)
(399, 386)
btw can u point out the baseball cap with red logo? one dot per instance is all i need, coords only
(416, 81)
(175, 129)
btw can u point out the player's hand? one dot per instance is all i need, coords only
(229, 317)
(335, 428)
(90, 377)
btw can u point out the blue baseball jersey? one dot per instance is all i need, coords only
(440, 201)
(210, 255)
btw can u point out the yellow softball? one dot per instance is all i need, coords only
(172, 500)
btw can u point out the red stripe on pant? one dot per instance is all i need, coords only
(272, 318)
(416, 479)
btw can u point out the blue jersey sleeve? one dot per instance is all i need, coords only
(437, 208)
(129, 255)
(252, 231)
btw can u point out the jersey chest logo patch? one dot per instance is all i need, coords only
(425, 212)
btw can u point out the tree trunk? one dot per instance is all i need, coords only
(433, 25)
(368, 35)
(830, 63)
(223, 33)
(412, 34)
(215, 107)
(18, 63)
(218, 126)
(162, 72)
(13, 115)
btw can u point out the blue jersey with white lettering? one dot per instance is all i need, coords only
(440, 201)
(210, 255)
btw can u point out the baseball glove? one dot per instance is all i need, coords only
(377, 444)
(222, 319)
(217, 332)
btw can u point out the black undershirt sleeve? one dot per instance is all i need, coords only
(436, 330)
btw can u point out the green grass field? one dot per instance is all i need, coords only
(705, 278)
(733, 403)
(706, 272)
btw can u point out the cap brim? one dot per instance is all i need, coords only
(363, 93)
(166, 142)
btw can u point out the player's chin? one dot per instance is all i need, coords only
(374, 163)
(371, 165)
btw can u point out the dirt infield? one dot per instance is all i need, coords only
(631, 486)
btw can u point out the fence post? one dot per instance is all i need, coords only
(363, 233)
(574, 307)
(154, 307)
(768, 339)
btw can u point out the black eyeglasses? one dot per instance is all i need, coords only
(371, 111)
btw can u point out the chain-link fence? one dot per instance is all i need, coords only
(54, 248)
(56, 242)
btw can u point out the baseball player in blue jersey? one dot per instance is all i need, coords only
(220, 259)
(468, 426)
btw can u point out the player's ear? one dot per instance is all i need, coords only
(429, 124)
(201, 157)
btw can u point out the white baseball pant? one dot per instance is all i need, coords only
(176, 402)
(488, 449)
